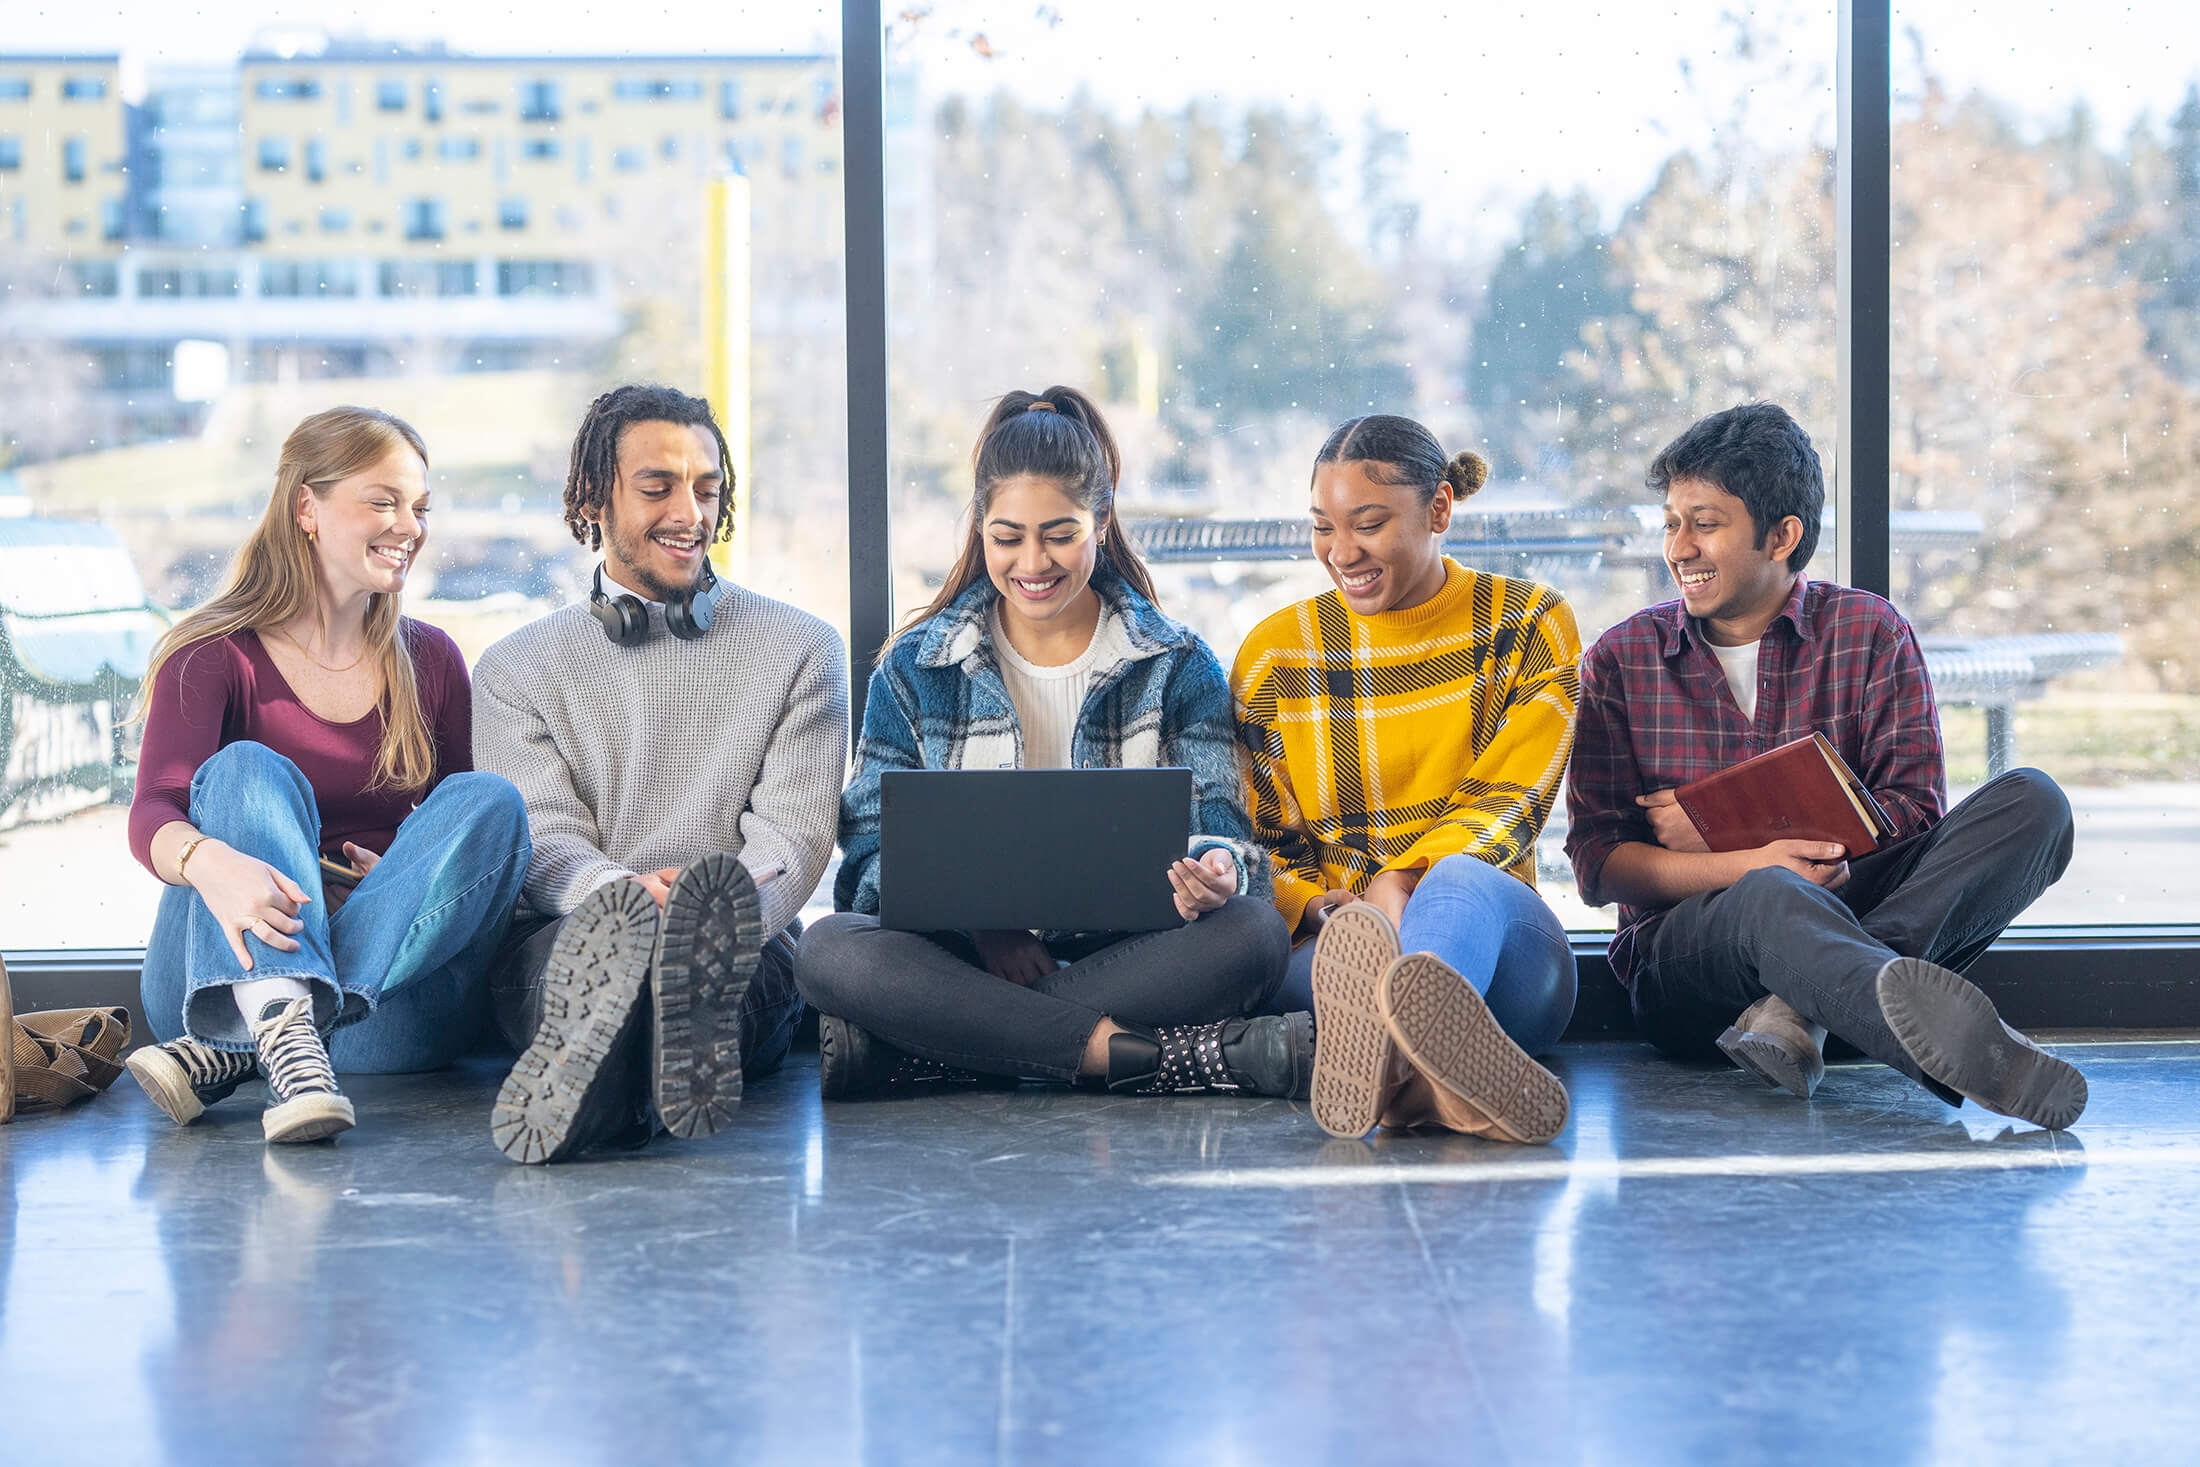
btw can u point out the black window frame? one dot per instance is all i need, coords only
(2070, 976)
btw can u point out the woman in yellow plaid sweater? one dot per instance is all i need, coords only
(1404, 736)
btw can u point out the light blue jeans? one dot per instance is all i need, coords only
(1495, 931)
(400, 974)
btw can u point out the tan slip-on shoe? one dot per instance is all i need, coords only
(1950, 1028)
(1351, 1045)
(1479, 1081)
(1777, 1045)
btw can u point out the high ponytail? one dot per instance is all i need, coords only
(1058, 435)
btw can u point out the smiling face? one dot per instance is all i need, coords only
(1380, 544)
(658, 521)
(369, 526)
(1725, 577)
(1040, 548)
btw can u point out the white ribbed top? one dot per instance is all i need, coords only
(1047, 699)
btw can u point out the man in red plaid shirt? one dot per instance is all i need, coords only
(1760, 953)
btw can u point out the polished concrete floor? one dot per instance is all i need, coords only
(1700, 1271)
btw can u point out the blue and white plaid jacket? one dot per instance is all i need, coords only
(1158, 700)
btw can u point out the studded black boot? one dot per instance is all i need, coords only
(1264, 1056)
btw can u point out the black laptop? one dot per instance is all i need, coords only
(1071, 850)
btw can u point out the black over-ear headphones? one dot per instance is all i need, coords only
(625, 619)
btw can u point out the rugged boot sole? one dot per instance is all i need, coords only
(592, 991)
(312, 1117)
(1950, 1028)
(847, 1061)
(1351, 1043)
(707, 951)
(1771, 1061)
(164, 1080)
(1442, 1025)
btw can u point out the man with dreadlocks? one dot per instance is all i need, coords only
(681, 743)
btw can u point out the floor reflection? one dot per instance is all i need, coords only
(1699, 1270)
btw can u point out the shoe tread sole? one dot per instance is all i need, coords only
(1351, 1044)
(707, 952)
(1446, 1029)
(591, 987)
(1951, 1029)
(163, 1079)
(1767, 1059)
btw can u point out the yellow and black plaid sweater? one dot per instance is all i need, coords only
(1386, 743)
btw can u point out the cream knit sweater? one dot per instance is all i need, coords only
(633, 759)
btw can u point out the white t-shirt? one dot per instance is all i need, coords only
(1740, 666)
(1048, 699)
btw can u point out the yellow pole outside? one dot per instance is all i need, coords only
(726, 286)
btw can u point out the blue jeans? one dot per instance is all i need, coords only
(400, 974)
(1496, 932)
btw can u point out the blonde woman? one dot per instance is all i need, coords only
(306, 792)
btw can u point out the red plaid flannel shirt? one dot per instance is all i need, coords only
(1656, 712)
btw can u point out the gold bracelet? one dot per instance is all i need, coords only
(184, 855)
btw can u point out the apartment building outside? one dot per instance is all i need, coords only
(370, 210)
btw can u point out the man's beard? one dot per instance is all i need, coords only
(630, 550)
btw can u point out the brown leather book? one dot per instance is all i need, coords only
(1799, 791)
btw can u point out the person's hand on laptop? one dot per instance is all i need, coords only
(1013, 954)
(1205, 884)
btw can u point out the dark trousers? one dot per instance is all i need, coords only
(926, 994)
(1943, 896)
(769, 1012)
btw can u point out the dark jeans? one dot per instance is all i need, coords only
(926, 994)
(1943, 896)
(769, 1012)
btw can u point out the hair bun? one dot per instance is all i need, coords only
(1467, 472)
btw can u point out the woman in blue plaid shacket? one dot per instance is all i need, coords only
(1044, 650)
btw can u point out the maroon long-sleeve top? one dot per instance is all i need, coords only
(213, 693)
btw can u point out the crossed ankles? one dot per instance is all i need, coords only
(641, 1016)
(1945, 1024)
(1270, 1056)
(1405, 1041)
(183, 1077)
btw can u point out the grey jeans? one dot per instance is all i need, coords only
(770, 1011)
(1943, 896)
(926, 994)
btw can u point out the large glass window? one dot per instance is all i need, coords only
(142, 406)
(1559, 256)
(2046, 412)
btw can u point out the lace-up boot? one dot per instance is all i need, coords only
(184, 1077)
(1265, 1056)
(303, 1101)
(852, 1062)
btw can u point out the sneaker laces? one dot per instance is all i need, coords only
(291, 1053)
(207, 1068)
